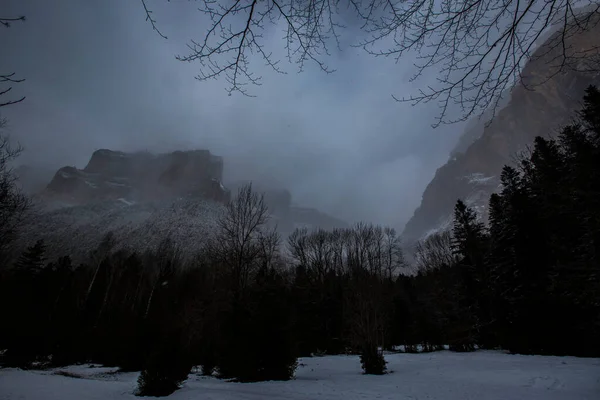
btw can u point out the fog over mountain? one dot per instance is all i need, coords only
(98, 76)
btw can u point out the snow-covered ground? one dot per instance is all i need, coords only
(444, 375)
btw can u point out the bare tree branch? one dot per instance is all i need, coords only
(4, 78)
(243, 243)
(7, 21)
(151, 20)
(13, 203)
(479, 46)
(235, 36)
(476, 48)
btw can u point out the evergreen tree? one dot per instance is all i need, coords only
(33, 258)
(469, 244)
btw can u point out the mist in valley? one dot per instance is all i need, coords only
(137, 260)
(98, 76)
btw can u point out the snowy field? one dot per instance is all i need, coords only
(443, 375)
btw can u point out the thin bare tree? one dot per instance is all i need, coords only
(13, 202)
(393, 258)
(243, 243)
(476, 48)
(435, 252)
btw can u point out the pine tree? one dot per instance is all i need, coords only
(33, 258)
(470, 243)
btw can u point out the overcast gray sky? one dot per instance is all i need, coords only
(99, 77)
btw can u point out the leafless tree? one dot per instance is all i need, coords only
(365, 246)
(313, 250)
(365, 299)
(243, 243)
(269, 244)
(13, 203)
(393, 257)
(368, 319)
(297, 246)
(477, 48)
(367, 257)
(435, 252)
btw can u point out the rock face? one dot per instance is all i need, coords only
(113, 175)
(472, 173)
(142, 198)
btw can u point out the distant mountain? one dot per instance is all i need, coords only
(142, 198)
(311, 218)
(472, 173)
(288, 216)
(135, 177)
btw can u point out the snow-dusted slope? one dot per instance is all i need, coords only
(76, 230)
(434, 376)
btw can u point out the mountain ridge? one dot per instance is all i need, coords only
(473, 174)
(141, 198)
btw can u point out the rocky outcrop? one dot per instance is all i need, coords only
(472, 173)
(114, 175)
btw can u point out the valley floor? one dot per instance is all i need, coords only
(482, 375)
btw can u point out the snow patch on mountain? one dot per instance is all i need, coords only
(479, 179)
(77, 230)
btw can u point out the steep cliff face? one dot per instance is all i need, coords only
(113, 175)
(472, 173)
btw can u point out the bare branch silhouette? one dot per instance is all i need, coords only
(151, 20)
(13, 203)
(477, 48)
(7, 21)
(9, 78)
(235, 35)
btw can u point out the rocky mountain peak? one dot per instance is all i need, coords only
(141, 176)
(539, 106)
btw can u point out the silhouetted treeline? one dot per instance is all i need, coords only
(530, 282)
(246, 307)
